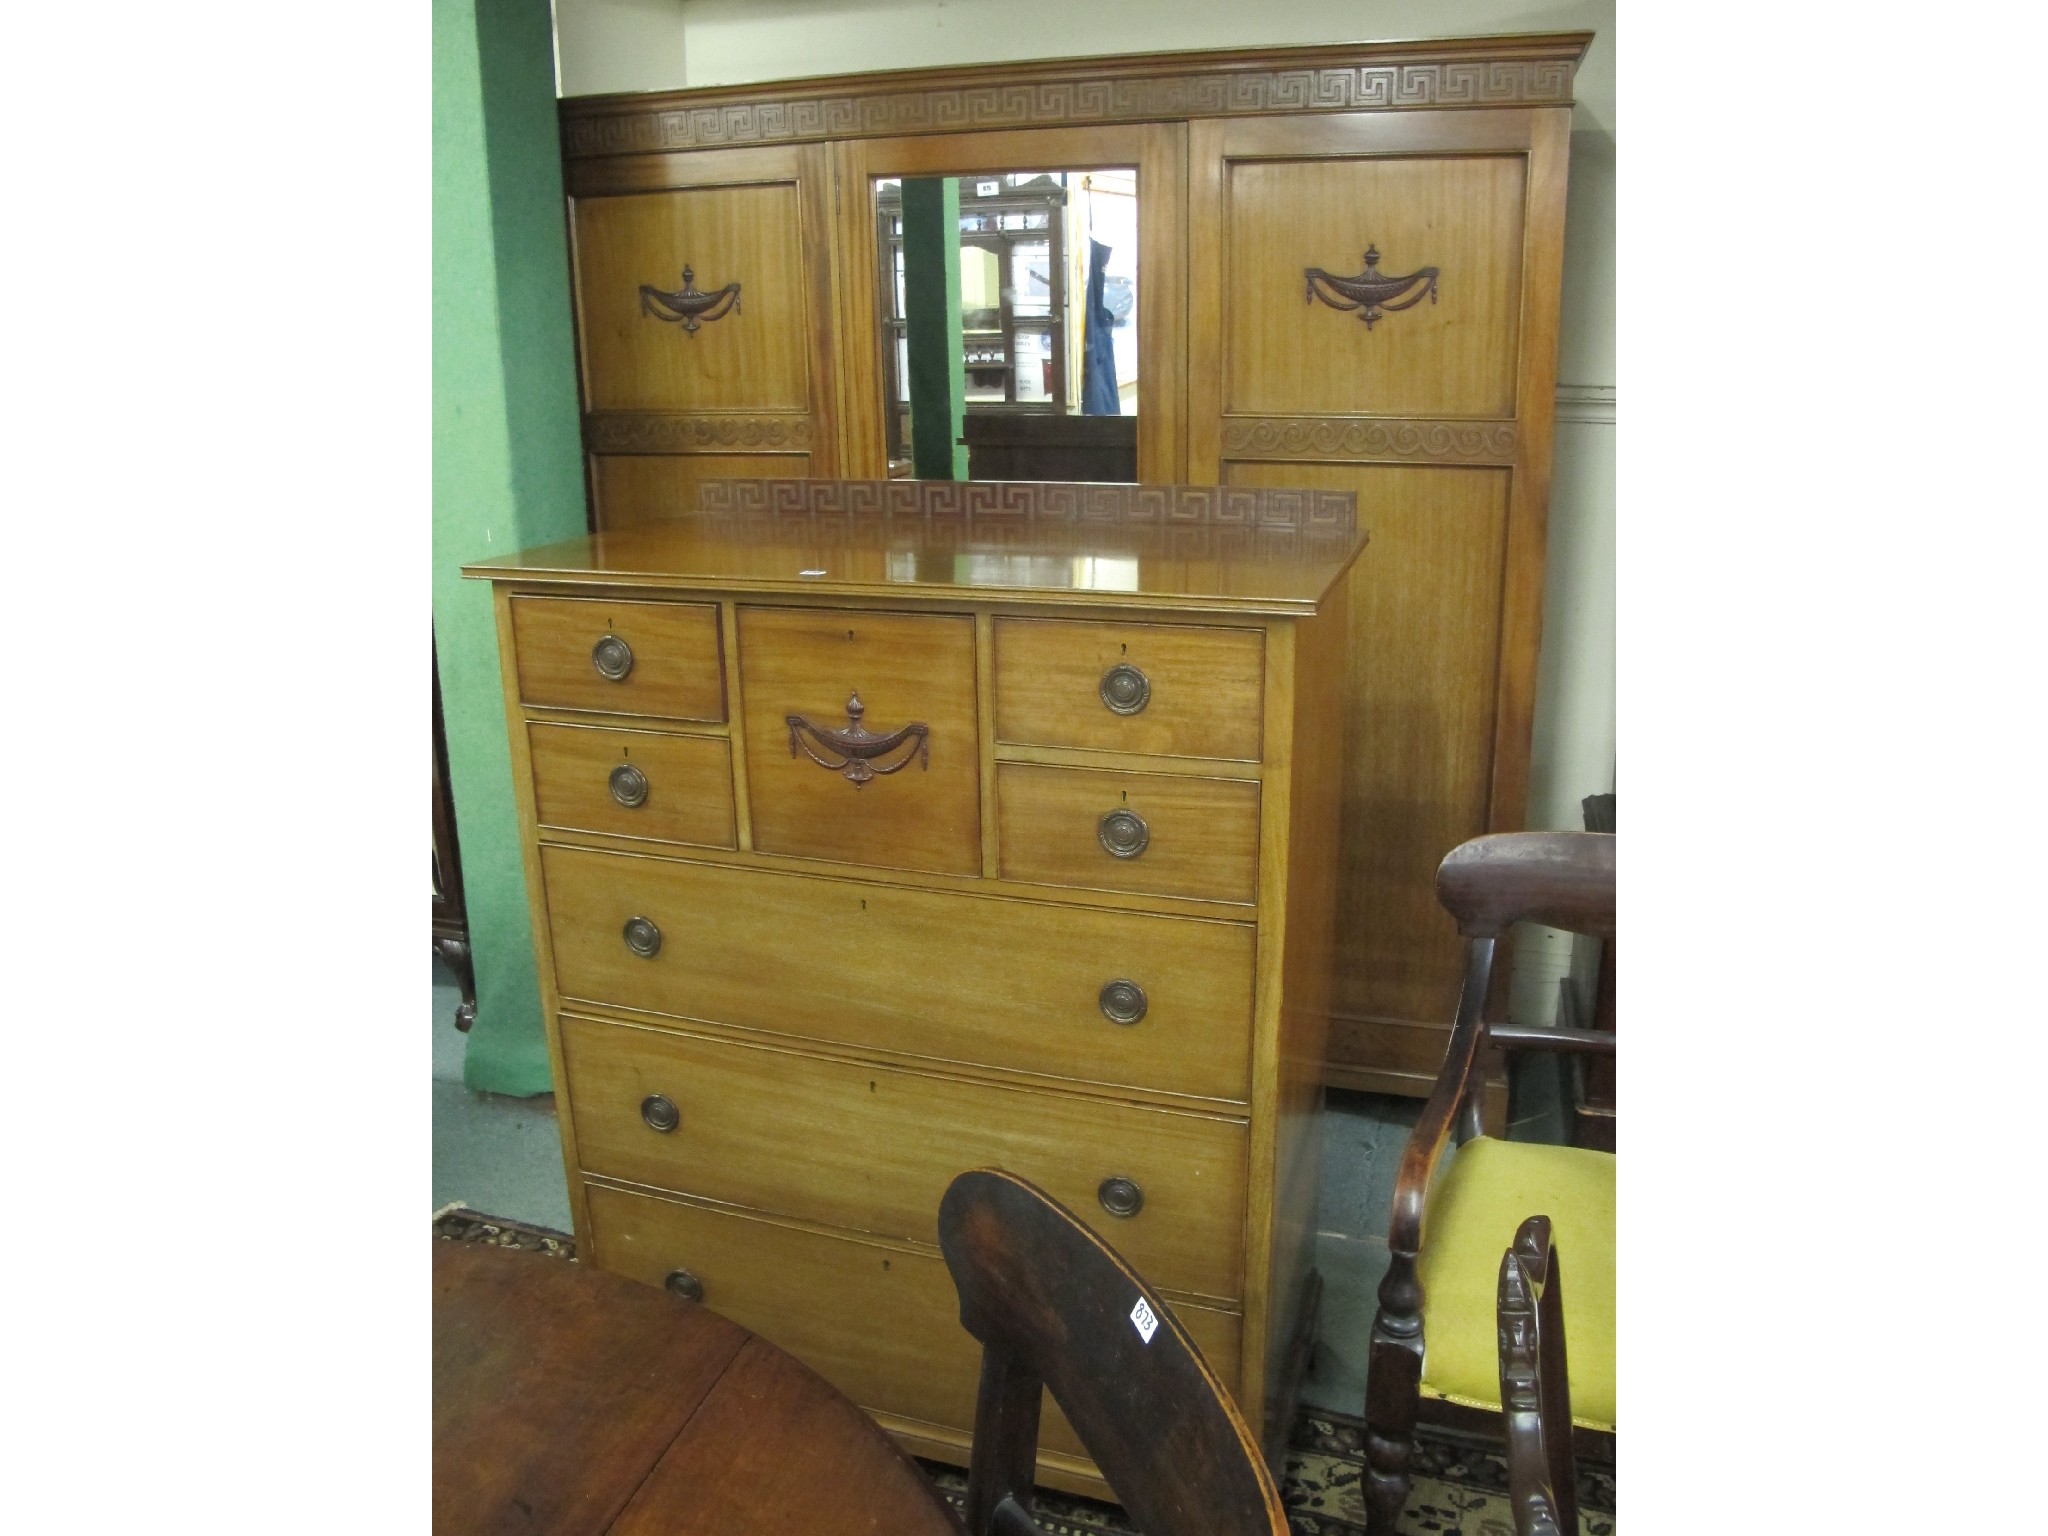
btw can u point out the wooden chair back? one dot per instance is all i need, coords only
(1535, 1386)
(1054, 1307)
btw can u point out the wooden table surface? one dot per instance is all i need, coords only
(572, 1402)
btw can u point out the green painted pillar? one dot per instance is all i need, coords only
(507, 460)
(931, 314)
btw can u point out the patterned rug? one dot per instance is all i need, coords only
(1460, 1486)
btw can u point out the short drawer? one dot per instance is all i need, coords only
(1161, 834)
(657, 659)
(873, 1148)
(881, 1323)
(1175, 690)
(849, 674)
(672, 789)
(1122, 998)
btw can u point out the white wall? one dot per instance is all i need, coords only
(635, 45)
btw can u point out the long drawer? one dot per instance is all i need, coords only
(874, 1148)
(1030, 986)
(881, 1323)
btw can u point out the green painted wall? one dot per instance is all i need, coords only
(507, 460)
(931, 316)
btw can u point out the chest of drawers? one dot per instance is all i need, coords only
(876, 831)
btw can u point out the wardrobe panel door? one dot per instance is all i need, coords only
(1438, 414)
(749, 359)
(682, 387)
(1425, 635)
(1450, 353)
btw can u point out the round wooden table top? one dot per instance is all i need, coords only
(573, 1402)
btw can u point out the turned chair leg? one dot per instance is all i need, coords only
(1393, 1388)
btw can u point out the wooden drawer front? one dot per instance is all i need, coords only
(882, 1324)
(873, 1148)
(957, 978)
(675, 789)
(1195, 692)
(905, 668)
(676, 671)
(1201, 835)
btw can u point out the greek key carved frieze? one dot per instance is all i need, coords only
(1214, 92)
(1428, 442)
(992, 502)
(657, 432)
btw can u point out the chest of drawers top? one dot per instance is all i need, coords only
(1192, 549)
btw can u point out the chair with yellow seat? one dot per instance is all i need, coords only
(1461, 1196)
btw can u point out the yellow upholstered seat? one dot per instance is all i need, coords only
(1486, 1191)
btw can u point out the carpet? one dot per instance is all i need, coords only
(1460, 1486)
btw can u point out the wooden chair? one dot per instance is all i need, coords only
(1535, 1385)
(1055, 1307)
(1475, 1198)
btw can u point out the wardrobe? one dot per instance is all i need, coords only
(1349, 262)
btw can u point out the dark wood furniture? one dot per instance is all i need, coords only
(1009, 445)
(1056, 1309)
(574, 1402)
(1591, 1005)
(451, 920)
(1535, 1385)
(1562, 880)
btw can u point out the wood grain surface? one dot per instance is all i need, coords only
(1204, 687)
(872, 1149)
(1203, 833)
(689, 783)
(904, 667)
(880, 1321)
(676, 672)
(1002, 983)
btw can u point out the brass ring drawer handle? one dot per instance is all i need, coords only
(1121, 1197)
(1125, 689)
(1123, 833)
(629, 786)
(681, 1282)
(1122, 1002)
(612, 657)
(660, 1112)
(642, 937)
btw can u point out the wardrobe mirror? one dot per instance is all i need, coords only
(1009, 313)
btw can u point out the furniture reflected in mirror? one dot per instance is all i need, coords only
(1037, 385)
(1012, 446)
(451, 921)
(1434, 1338)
